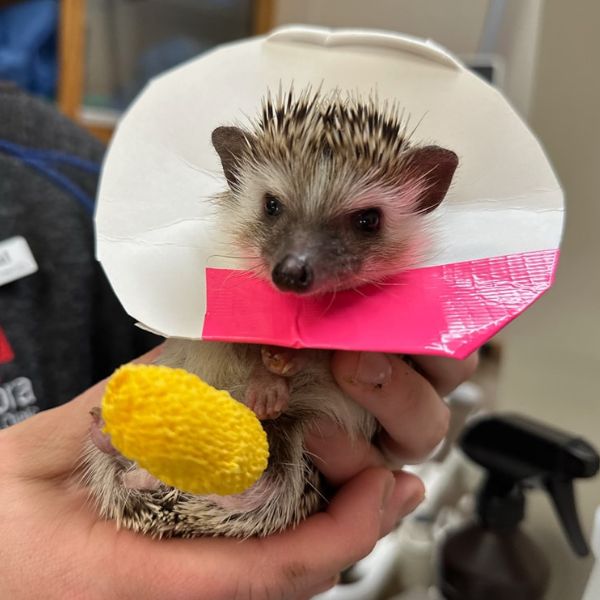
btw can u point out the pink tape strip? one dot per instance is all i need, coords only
(447, 310)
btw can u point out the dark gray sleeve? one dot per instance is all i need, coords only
(64, 325)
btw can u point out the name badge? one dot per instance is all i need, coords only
(16, 260)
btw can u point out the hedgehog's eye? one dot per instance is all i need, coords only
(273, 206)
(368, 221)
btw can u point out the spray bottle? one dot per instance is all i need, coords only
(492, 557)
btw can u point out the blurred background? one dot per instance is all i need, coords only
(91, 57)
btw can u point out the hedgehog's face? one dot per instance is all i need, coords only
(316, 231)
(320, 220)
(308, 253)
(306, 249)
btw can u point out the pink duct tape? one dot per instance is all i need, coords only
(448, 310)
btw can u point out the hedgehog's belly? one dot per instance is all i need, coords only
(288, 492)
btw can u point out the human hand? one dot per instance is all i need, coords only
(406, 401)
(55, 547)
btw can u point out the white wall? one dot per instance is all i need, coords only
(517, 43)
(456, 25)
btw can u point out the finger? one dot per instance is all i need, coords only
(50, 443)
(445, 374)
(286, 565)
(413, 416)
(391, 518)
(338, 456)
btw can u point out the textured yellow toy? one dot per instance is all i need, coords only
(183, 431)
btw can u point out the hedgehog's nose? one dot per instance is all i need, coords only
(293, 274)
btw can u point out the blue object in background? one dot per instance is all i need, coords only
(28, 45)
(160, 57)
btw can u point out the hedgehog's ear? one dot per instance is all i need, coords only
(230, 144)
(433, 167)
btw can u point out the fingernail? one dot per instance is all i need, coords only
(373, 368)
(399, 506)
(412, 502)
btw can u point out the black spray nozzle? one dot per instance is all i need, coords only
(518, 452)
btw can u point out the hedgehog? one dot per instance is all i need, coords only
(324, 192)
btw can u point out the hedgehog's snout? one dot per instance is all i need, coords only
(293, 273)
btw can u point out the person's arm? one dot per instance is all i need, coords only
(55, 547)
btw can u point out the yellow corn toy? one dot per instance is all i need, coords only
(183, 431)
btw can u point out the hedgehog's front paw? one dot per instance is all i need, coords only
(267, 395)
(286, 362)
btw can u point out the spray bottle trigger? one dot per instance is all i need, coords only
(579, 460)
(563, 498)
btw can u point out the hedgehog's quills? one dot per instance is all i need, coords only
(325, 193)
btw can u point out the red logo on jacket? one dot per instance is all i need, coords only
(6, 352)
